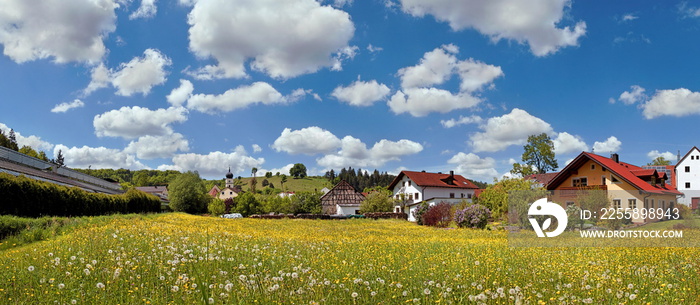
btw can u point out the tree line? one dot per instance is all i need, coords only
(359, 179)
(22, 196)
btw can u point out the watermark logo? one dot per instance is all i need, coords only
(542, 207)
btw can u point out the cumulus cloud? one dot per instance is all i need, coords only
(257, 148)
(461, 121)
(611, 145)
(180, 95)
(629, 17)
(636, 94)
(215, 164)
(533, 22)
(666, 155)
(506, 130)
(98, 157)
(147, 9)
(293, 37)
(241, 97)
(135, 122)
(141, 73)
(677, 102)
(63, 107)
(32, 141)
(151, 147)
(354, 152)
(361, 93)
(471, 166)
(69, 30)
(419, 97)
(565, 143)
(309, 141)
(100, 77)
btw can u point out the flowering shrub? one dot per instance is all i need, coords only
(438, 215)
(473, 216)
(419, 211)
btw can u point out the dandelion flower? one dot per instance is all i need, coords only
(100, 285)
(633, 296)
(31, 268)
(426, 291)
(354, 294)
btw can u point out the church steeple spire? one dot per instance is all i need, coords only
(229, 178)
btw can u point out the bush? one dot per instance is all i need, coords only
(386, 215)
(420, 211)
(473, 216)
(217, 207)
(438, 215)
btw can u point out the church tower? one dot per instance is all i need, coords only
(229, 179)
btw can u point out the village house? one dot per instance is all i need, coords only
(229, 191)
(342, 199)
(624, 184)
(687, 172)
(159, 191)
(411, 188)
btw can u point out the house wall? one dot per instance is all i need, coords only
(410, 189)
(227, 193)
(692, 161)
(346, 210)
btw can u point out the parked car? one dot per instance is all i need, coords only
(232, 215)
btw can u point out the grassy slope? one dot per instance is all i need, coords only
(292, 185)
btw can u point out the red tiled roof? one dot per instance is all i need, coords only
(542, 178)
(434, 180)
(625, 171)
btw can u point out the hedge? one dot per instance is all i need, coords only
(22, 196)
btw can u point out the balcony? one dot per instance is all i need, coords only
(573, 191)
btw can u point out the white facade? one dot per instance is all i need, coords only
(346, 210)
(413, 194)
(688, 177)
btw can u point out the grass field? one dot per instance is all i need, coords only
(183, 259)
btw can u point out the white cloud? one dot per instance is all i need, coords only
(422, 101)
(215, 164)
(509, 129)
(180, 95)
(566, 143)
(636, 95)
(100, 77)
(140, 74)
(361, 93)
(241, 97)
(97, 157)
(284, 170)
(474, 167)
(292, 37)
(677, 102)
(418, 96)
(611, 145)
(532, 22)
(667, 155)
(147, 9)
(374, 49)
(629, 17)
(32, 141)
(63, 107)
(135, 122)
(151, 147)
(354, 152)
(461, 121)
(310, 141)
(257, 148)
(69, 30)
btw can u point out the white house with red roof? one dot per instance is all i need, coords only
(626, 185)
(688, 178)
(412, 188)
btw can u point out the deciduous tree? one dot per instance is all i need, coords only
(188, 194)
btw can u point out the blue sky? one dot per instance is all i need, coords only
(386, 84)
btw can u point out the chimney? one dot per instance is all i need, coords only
(615, 157)
(452, 174)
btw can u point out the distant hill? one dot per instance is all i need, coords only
(292, 185)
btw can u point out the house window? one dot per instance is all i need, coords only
(652, 203)
(687, 169)
(469, 196)
(417, 196)
(462, 195)
(632, 203)
(223, 193)
(230, 193)
(409, 183)
(592, 166)
(617, 203)
(613, 179)
(452, 195)
(646, 203)
(583, 181)
(687, 185)
(410, 197)
(397, 210)
(605, 180)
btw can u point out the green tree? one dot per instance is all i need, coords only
(538, 153)
(247, 204)
(60, 161)
(378, 201)
(496, 197)
(283, 180)
(13, 140)
(298, 171)
(42, 156)
(253, 181)
(307, 202)
(188, 194)
(217, 207)
(660, 160)
(27, 150)
(268, 175)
